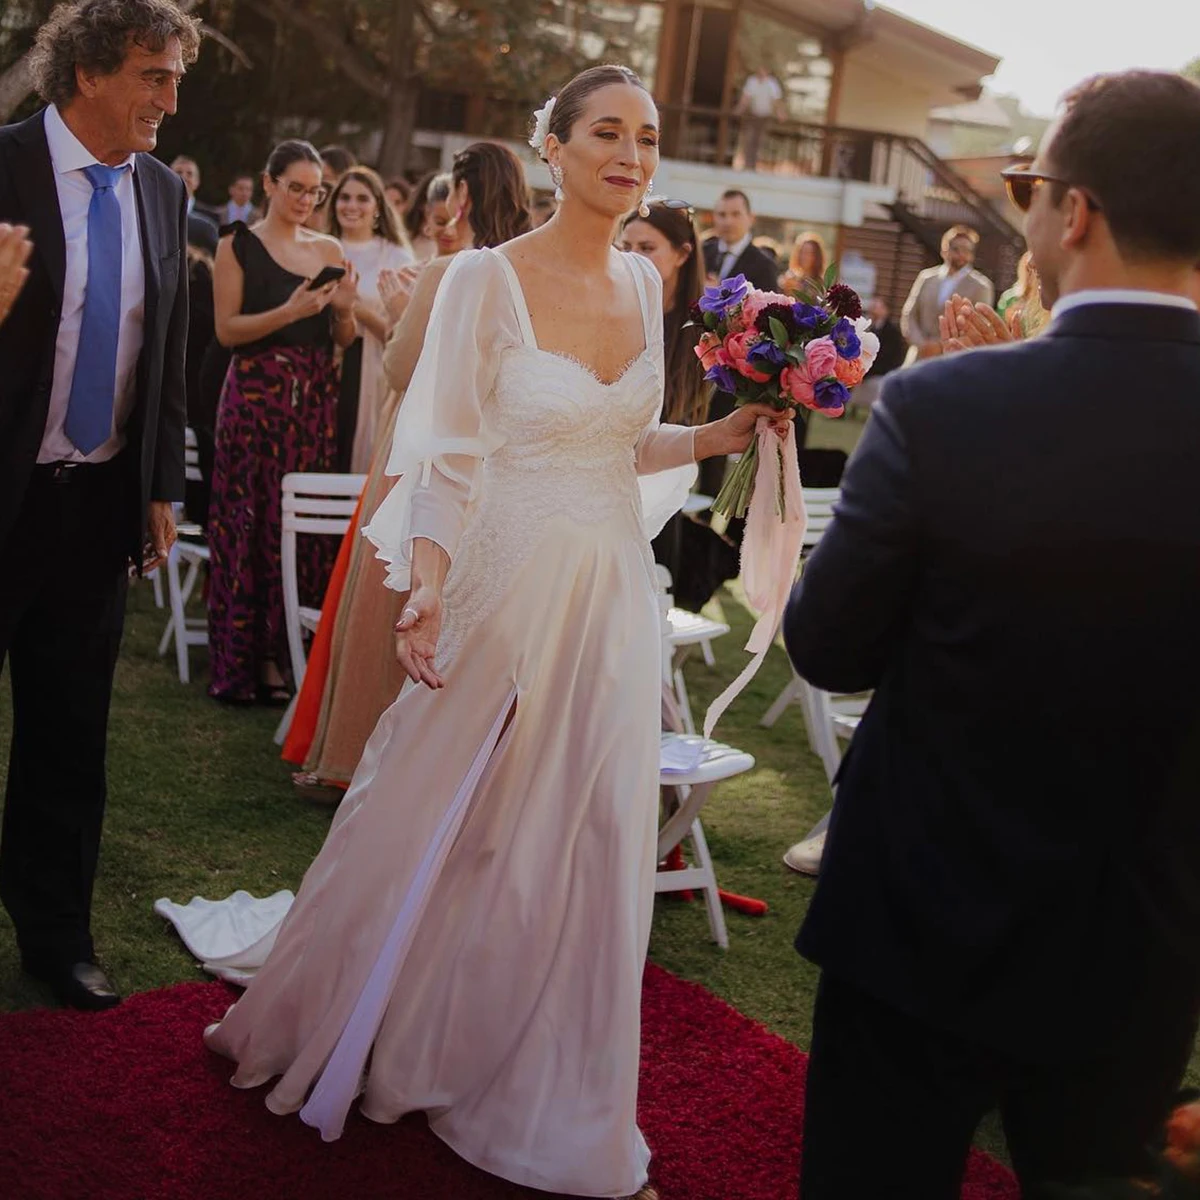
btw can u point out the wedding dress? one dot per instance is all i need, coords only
(470, 940)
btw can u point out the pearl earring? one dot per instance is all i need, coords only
(644, 207)
(556, 174)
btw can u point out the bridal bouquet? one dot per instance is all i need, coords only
(769, 348)
(788, 353)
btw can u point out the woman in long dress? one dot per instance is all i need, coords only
(352, 675)
(477, 921)
(276, 415)
(362, 220)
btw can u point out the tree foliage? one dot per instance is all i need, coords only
(346, 70)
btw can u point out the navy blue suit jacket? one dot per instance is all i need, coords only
(155, 433)
(1014, 567)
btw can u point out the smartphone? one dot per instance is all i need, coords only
(326, 275)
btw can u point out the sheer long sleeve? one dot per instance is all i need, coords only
(664, 455)
(442, 432)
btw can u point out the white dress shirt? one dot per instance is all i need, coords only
(68, 157)
(1119, 296)
(761, 95)
(731, 254)
(950, 282)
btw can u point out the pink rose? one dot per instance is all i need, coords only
(820, 357)
(738, 346)
(796, 385)
(756, 301)
(710, 351)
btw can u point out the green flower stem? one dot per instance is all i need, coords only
(734, 497)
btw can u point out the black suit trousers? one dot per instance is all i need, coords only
(63, 582)
(892, 1104)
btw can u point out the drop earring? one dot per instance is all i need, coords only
(644, 207)
(556, 174)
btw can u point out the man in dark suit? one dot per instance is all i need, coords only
(733, 252)
(201, 226)
(91, 441)
(1008, 911)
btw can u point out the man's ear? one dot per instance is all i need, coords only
(1079, 217)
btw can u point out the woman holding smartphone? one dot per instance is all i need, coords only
(283, 296)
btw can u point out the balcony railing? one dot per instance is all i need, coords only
(921, 181)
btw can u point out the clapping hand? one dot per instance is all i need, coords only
(396, 289)
(417, 634)
(15, 248)
(967, 326)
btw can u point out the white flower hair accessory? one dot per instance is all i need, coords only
(541, 127)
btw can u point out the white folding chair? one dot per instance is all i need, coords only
(818, 505)
(687, 630)
(689, 767)
(191, 551)
(313, 503)
(182, 630)
(191, 472)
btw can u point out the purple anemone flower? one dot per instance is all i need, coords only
(725, 295)
(845, 338)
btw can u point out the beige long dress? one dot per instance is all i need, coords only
(476, 923)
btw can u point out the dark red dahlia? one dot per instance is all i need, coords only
(781, 312)
(844, 301)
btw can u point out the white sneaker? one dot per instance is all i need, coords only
(805, 856)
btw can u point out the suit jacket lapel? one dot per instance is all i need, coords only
(33, 178)
(150, 228)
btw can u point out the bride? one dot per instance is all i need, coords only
(470, 940)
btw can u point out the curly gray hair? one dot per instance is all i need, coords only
(97, 34)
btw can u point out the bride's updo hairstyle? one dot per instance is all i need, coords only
(495, 182)
(571, 101)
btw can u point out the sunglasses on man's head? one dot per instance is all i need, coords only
(676, 205)
(1022, 183)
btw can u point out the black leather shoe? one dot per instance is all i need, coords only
(79, 985)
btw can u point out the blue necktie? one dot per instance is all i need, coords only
(90, 408)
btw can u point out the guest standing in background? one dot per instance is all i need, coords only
(91, 457)
(761, 99)
(277, 414)
(415, 219)
(806, 264)
(933, 287)
(361, 218)
(240, 205)
(397, 192)
(352, 674)
(335, 161)
(202, 229)
(542, 209)
(699, 559)
(732, 252)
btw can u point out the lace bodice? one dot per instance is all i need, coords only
(499, 438)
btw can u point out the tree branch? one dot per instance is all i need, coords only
(356, 66)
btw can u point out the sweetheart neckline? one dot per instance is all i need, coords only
(588, 370)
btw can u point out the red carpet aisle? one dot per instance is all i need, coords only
(129, 1105)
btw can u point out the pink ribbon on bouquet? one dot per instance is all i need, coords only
(770, 552)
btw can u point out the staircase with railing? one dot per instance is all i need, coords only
(930, 195)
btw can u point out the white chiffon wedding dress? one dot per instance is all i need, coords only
(470, 940)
